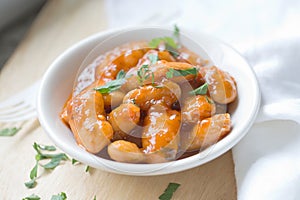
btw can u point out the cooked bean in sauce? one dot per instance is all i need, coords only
(148, 104)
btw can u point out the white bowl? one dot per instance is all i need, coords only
(58, 83)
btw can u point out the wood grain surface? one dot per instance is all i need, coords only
(60, 24)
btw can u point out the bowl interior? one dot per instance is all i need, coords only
(58, 83)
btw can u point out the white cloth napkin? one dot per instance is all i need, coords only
(267, 161)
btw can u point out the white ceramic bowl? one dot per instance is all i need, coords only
(58, 82)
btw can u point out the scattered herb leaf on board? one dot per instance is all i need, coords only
(74, 161)
(32, 197)
(55, 160)
(87, 169)
(169, 191)
(60, 196)
(9, 131)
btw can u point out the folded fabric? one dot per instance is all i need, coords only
(267, 162)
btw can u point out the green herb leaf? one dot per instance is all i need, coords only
(95, 198)
(153, 82)
(30, 184)
(176, 72)
(185, 72)
(152, 78)
(112, 85)
(173, 51)
(168, 193)
(170, 42)
(54, 162)
(133, 101)
(74, 161)
(170, 73)
(33, 172)
(209, 100)
(43, 156)
(170, 45)
(103, 90)
(46, 147)
(153, 58)
(9, 131)
(121, 74)
(87, 168)
(176, 31)
(155, 42)
(32, 197)
(36, 148)
(202, 90)
(61, 196)
(38, 157)
(143, 74)
(32, 175)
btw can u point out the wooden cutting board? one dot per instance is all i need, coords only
(60, 24)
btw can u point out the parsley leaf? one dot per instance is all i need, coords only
(153, 58)
(153, 82)
(210, 101)
(152, 78)
(133, 101)
(170, 73)
(46, 147)
(30, 184)
(143, 74)
(74, 161)
(112, 85)
(32, 197)
(54, 162)
(171, 43)
(61, 196)
(33, 172)
(178, 72)
(154, 43)
(95, 198)
(173, 51)
(185, 72)
(176, 31)
(121, 74)
(169, 191)
(202, 90)
(87, 169)
(9, 131)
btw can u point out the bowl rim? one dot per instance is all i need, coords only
(215, 150)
